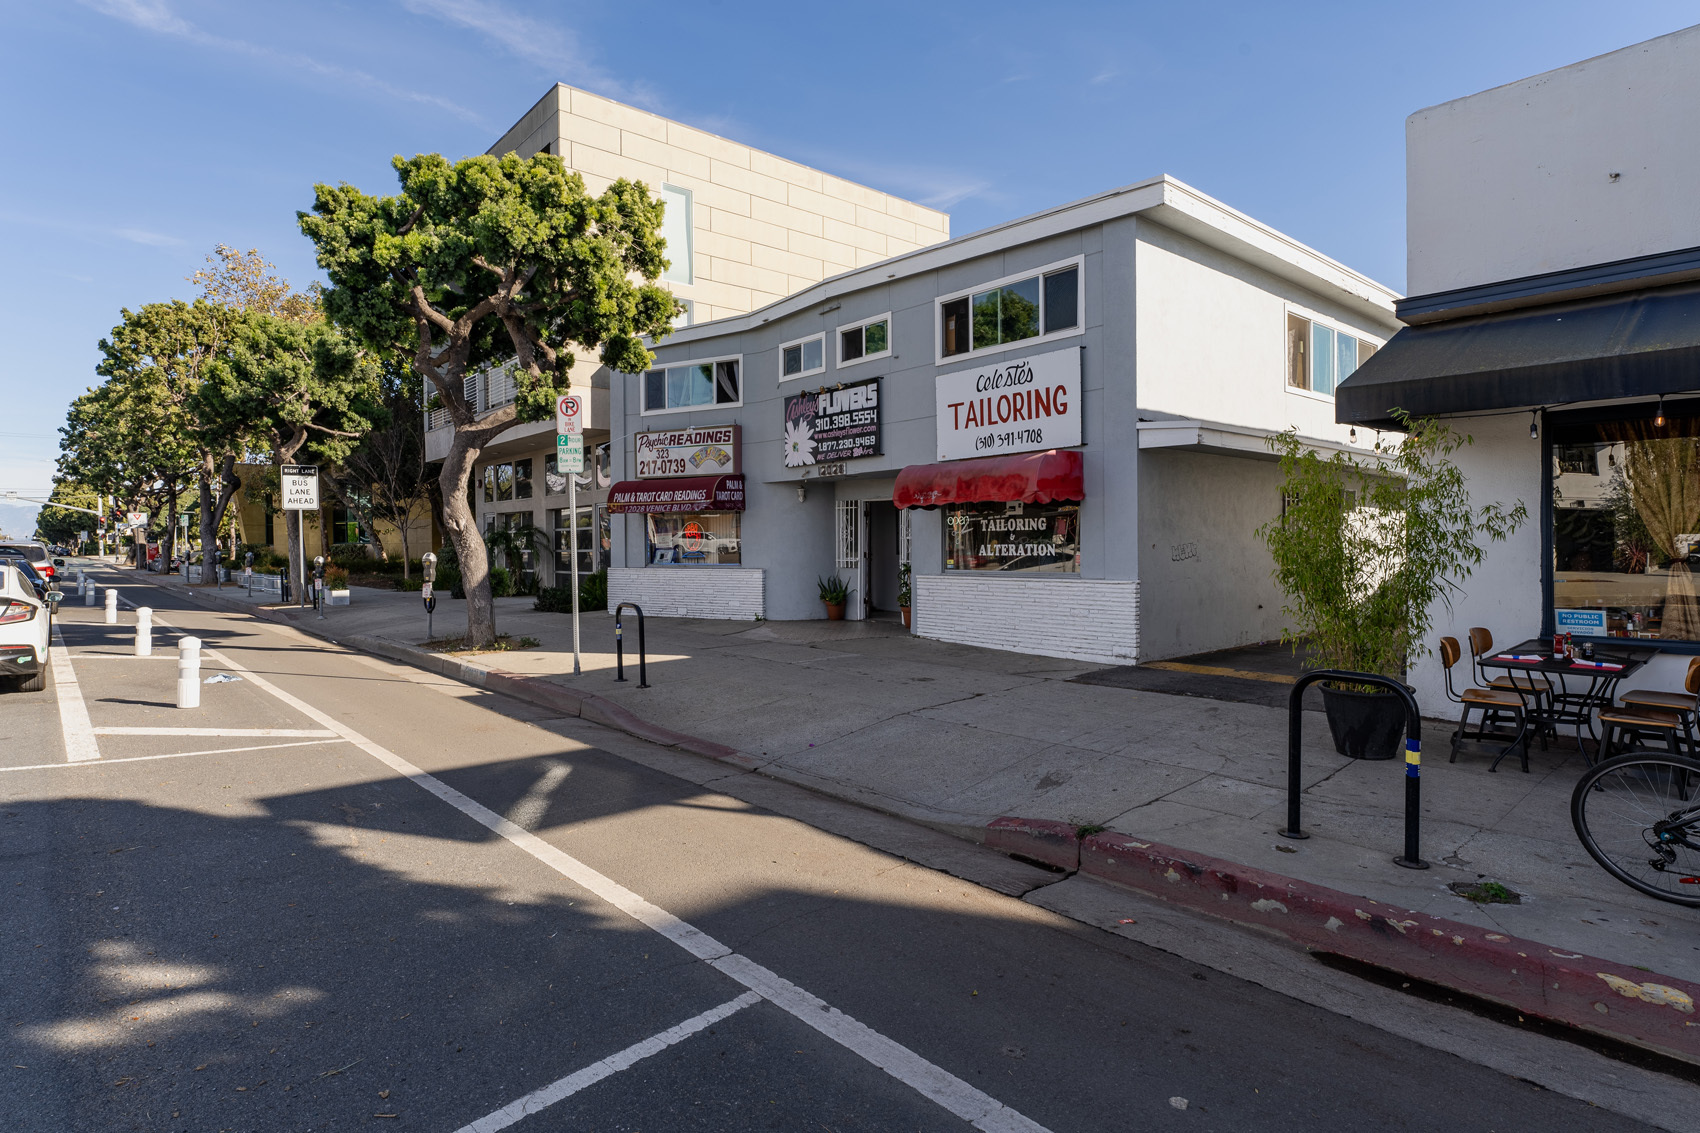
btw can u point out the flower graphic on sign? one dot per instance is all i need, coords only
(799, 444)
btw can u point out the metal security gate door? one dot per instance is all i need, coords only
(851, 555)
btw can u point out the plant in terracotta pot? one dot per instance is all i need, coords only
(1366, 549)
(903, 592)
(835, 592)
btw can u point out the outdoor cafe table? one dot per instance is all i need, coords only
(1568, 707)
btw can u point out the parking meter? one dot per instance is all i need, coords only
(319, 584)
(426, 589)
(248, 570)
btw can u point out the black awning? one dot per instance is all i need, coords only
(1633, 345)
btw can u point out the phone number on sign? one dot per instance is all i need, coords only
(994, 441)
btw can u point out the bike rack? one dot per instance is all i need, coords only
(1413, 755)
(620, 646)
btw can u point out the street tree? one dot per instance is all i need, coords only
(305, 388)
(482, 261)
(385, 478)
(238, 283)
(59, 524)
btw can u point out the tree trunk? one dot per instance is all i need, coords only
(406, 554)
(213, 509)
(168, 544)
(462, 529)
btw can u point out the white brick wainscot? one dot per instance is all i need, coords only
(732, 593)
(1080, 619)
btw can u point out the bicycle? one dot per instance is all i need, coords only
(1638, 816)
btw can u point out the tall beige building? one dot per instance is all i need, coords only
(744, 228)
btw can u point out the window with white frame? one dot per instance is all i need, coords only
(1033, 306)
(1319, 357)
(870, 338)
(676, 230)
(692, 385)
(803, 357)
(687, 312)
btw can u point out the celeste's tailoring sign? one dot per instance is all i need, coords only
(1019, 405)
(711, 450)
(835, 424)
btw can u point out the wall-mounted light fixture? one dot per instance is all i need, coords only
(802, 492)
(1534, 424)
(1659, 419)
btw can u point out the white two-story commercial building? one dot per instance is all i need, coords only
(1058, 425)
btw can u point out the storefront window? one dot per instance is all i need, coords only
(522, 479)
(1013, 537)
(1626, 528)
(701, 538)
(587, 529)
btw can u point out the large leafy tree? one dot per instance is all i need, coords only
(304, 388)
(385, 476)
(57, 524)
(480, 261)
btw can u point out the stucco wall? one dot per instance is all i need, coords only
(689, 592)
(1213, 333)
(1203, 568)
(1504, 593)
(1516, 180)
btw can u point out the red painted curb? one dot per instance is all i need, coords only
(1582, 991)
(1038, 839)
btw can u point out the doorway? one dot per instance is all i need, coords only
(885, 555)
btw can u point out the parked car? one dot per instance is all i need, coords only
(25, 624)
(35, 580)
(37, 554)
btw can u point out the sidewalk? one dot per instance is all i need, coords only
(957, 736)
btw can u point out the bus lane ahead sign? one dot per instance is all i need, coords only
(300, 487)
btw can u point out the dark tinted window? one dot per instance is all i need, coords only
(725, 383)
(955, 317)
(655, 389)
(1062, 300)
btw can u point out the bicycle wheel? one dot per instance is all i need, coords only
(1638, 815)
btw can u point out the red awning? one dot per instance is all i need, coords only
(1032, 478)
(688, 493)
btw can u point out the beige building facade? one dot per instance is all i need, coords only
(744, 229)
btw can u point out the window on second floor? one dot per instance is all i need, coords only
(1011, 310)
(870, 338)
(1319, 357)
(692, 385)
(676, 230)
(802, 358)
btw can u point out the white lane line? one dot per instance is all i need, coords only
(231, 733)
(172, 755)
(945, 1089)
(607, 1068)
(80, 744)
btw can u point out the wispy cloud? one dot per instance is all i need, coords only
(551, 47)
(155, 16)
(143, 236)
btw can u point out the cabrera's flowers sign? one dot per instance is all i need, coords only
(831, 424)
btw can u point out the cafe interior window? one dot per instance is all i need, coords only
(1319, 357)
(1009, 311)
(692, 385)
(704, 538)
(870, 338)
(800, 359)
(522, 479)
(1626, 526)
(1013, 537)
(525, 570)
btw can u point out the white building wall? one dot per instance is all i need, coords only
(1081, 619)
(1517, 180)
(1213, 333)
(733, 593)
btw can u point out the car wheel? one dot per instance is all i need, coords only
(35, 683)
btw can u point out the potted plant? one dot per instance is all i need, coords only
(336, 585)
(903, 592)
(836, 594)
(1366, 549)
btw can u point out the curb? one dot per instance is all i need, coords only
(1585, 992)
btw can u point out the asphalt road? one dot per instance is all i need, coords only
(362, 897)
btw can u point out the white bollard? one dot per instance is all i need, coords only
(144, 631)
(111, 606)
(88, 594)
(82, 583)
(189, 673)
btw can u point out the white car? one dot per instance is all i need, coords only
(26, 623)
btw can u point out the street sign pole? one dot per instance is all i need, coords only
(300, 495)
(569, 459)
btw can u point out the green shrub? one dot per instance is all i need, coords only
(412, 585)
(501, 583)
(336, 578)
(593, 590)
(554, 600)
(354, 555)
(448, 578)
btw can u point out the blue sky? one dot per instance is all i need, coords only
(140, 133)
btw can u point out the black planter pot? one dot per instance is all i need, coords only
(1365, 725)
